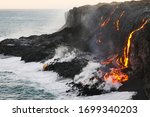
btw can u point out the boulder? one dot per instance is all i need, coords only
(67, 69)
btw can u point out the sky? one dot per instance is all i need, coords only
(48, 4)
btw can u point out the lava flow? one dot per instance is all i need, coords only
(116, 74)
(124, 60)
(104, 23)
(117, 23)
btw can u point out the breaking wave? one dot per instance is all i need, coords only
(20, 80)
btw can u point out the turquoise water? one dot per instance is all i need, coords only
(20, 89)
(27, 81)
(17, 79)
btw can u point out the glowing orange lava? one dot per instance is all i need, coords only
(124, 60)
(116, 75)
(105, 22)
(109, 60)
(117, 23)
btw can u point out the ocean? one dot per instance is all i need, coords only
(17, 23)
(27, 81)
(17, 79)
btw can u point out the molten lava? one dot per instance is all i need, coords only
(117, 23)
(109, 60)
(116, 74)
(125, 59)
(105, 22)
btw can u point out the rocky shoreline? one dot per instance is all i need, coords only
(83, 29)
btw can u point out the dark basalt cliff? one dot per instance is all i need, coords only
(101, 30)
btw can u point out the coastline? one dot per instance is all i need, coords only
(81, 32)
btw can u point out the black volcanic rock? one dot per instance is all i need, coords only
(37, 48)
(84, 90)
(68, 69)
(82, 30)
(140, 58)
(95, 29)
(113, 41)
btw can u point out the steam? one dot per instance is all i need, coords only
(108, 85)
(91, 71)
(87, 73)
(65, 54)
(62, 54)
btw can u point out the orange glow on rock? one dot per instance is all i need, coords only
(105, 22)
(116, 75)
(124, 60)
(109, 60)
(117, 23)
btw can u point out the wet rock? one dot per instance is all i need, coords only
(68, 69)
(37, 48)
(85, 90)
(85, 30)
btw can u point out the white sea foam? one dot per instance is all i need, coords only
(32, 72)
(108, 96)
(22, 24)
(48, 81)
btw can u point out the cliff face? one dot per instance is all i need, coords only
(102, 30)
(121, 19)
(100, 22)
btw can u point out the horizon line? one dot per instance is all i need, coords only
(32, 8)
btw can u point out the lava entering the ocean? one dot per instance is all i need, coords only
(116, 74)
